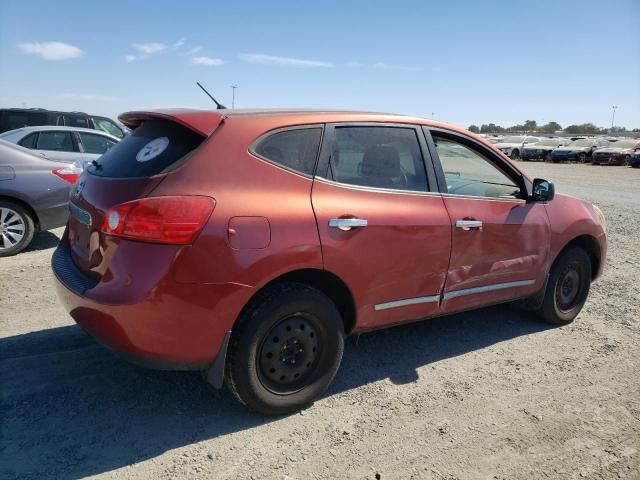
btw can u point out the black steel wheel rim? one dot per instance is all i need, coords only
(568, 288)
(290, 354)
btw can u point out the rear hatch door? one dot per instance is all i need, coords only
(130, 170)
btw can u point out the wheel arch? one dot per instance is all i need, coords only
(328, 283)
(590, 245)
(29, 208)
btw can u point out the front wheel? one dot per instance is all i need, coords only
(286, 350)
(548, 157)
(581, 157)
(567, 288)
(16, 228)
(515, 154)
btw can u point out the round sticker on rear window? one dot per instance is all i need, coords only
(152, 149)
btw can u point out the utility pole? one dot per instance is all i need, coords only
(613, 115)
(233, 98)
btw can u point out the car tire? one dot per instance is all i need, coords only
(515, 154)
(567, 288)
(16, 228)
(627, 160)
(548, 157)
(581, 157)
(286, 350)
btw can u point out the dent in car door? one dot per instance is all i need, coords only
(500, 243)
(389, 243)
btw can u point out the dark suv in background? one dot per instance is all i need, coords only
(12, 118)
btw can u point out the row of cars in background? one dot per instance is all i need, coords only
(595, 150)
(38, 167)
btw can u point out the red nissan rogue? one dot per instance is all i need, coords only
(247, 244)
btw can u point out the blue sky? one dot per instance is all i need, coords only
(464, 61)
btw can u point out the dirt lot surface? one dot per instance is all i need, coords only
(492, 394)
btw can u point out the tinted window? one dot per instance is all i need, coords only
(77, 121)
(152, 148)
(92, 143)
(55, 141)
(468, 172)
(382, 157)
(29, 141)
(108, 126)
(296, 149)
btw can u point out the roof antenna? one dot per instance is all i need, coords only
(219, 106)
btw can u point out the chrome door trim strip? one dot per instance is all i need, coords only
(405, 302)
(487, 288)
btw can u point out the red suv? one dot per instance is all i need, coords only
(247, 244)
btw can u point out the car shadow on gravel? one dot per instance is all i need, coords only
(42, 241)
(70, 409)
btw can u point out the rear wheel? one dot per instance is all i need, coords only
(548, 157)
(581, 157)
(286, 350)
(567, 288)
(16, 228)
(515, 154)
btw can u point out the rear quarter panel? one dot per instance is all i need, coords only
(262, 201)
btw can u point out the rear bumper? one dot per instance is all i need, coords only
(169, 326)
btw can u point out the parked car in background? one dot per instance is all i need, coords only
(63, 144)
(618, 153)
(579, 150)
(34, 196)
(13, 118)
(246, 244)
(542, 149)
(512, 146)
(634, 161)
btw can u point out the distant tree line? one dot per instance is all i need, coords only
(551, 127)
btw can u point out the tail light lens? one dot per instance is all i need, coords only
(69, 174)
(174, 220)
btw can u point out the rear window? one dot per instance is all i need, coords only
(154, 147)
(295, 149)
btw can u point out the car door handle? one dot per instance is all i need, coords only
(469, 224)
(347, 224)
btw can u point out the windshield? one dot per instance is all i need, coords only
(623, 144)
(549, 142)
(585, 142)
(513, 140)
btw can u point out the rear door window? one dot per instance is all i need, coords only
(295, 149)
(92, 143)
(52, 140)
(154, 147)
(381, 157)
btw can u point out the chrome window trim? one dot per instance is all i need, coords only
(376, 189)
(487, 288)
(405, 302)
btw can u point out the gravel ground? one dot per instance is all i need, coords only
(491, 394)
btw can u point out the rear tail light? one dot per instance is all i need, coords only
(174, 220)
(69, 174)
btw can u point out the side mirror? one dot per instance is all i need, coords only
(543, 190)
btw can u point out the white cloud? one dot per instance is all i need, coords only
(179, 43)
(51, 50)
(282, 61)
(208, 61)
(88, 97)
(149, 48)
(194, 50)
(130, 58)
